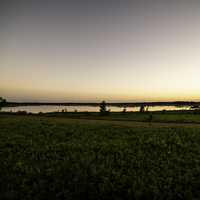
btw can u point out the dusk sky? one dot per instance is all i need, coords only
(93, 50)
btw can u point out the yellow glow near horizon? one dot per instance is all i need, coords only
(16, 94)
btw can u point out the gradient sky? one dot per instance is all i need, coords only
(145, 50)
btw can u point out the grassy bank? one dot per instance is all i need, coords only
(156, 116)
(181, 116)
(64, 158)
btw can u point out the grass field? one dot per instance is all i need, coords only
(112, 157)
(157, 116)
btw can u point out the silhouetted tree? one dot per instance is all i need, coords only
(124, 110)
(2, 101)
(103, 106)
(142, 108)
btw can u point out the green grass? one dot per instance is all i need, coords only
(61, 158)
(168, 116)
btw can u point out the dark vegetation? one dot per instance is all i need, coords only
(105, 155)
(181, 116)
(3, 102)
(103, 108)
(142, 108)
(53, 156)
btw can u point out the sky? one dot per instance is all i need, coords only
(92, 50)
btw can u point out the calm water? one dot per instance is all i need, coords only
(44, 109)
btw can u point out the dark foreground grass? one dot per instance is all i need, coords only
(54, 158)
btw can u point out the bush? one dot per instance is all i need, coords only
(124, 110)
(2, 102)
(103, 108)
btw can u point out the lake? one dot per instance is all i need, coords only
(50, 108)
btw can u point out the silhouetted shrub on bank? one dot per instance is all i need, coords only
(124, 110)
(103, 109)
(2, 102)
(142, 109)
(21, 112)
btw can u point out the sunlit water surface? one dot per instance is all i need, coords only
(45, 109)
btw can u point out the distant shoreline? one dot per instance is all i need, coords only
(122, 104)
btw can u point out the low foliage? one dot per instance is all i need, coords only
(58, 158)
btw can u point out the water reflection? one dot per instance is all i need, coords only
(45, 109)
